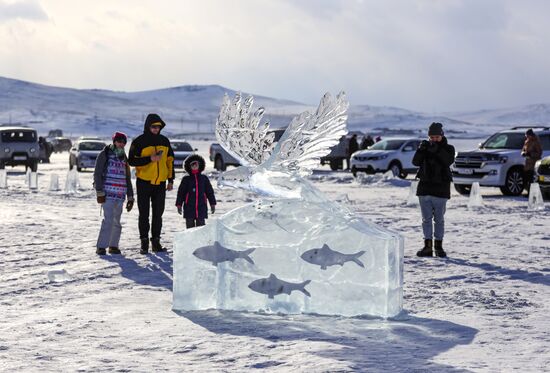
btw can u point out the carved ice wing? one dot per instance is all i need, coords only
(310, 136)
(239, 132)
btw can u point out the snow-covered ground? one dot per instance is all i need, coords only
(483, 309)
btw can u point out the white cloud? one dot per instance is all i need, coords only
(423, 54)
(30, 10)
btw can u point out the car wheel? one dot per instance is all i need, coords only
(219, 164)
(395, 168)
(2, 165)
(463, 189)
(79, 169)
(514, 183)
(334, 164)
(33, 166)
(354, 171)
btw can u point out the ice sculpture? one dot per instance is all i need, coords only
(412, 198)
(475, 200)
(71, 183)
(54, 183)
(3, 179)
(33, 180)
(292, 250)
(536, 202)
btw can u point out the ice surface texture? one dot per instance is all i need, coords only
(292, 250)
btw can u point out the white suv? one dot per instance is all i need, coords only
(497, 162)
(394, 154)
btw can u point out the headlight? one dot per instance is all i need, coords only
(377, 158)
(32, 150)
(7, 150)
(495, 158)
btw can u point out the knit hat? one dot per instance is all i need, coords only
(119, 136)
(436, 129)
(530, 132)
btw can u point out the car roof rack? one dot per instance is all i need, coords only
(523, 127)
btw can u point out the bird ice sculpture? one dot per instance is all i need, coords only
(261, 256)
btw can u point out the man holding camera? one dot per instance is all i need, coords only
(434, 158)
(153, 158)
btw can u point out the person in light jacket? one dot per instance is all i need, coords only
(113, 184)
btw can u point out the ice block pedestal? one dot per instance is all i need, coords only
(289, 256)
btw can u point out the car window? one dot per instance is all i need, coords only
(545, 141)
(412, 144)
(387, 145)
(181, 147)
(18, 136)
(91, 146)
(509, 140)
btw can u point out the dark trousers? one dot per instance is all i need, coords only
(191, 223)
(150, 196)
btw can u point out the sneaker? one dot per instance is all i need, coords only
(100, 251)
(114, 250)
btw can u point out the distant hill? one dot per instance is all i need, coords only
(194, 108)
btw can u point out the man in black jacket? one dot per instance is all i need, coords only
(434, 158)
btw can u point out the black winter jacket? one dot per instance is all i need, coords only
(434, 171)
(194, 191)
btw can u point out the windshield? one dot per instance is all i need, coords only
(505, 141)
(387, 145)
(91, 146)
(18, 136)
(181, 147)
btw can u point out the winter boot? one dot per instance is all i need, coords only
(114, 250)
(157, 247)
(144, 246)
(438, 246)
(426, 250)
(100, 251)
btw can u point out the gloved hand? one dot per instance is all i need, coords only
(129, 205)
(424, 145)
(169, 186)
(433, 148)
(179, 210)
(100, 199)
(213, 209)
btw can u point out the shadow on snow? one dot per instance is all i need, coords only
(373, 344)
(157, 273)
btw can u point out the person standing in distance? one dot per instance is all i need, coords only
(434, 158)
(153, 158)
(532, 151)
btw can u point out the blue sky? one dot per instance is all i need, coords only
(425, 55)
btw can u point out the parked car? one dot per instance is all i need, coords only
(182, 149)
(84, 153)
(339, 152)
(542, 171)
(497, 162)
(393, 154)
(222, 158)
(19, 147)
(60, 144)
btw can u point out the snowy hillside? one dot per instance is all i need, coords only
(194, 108)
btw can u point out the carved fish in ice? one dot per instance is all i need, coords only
(273, 286)
(326, 257)
(217, 254)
